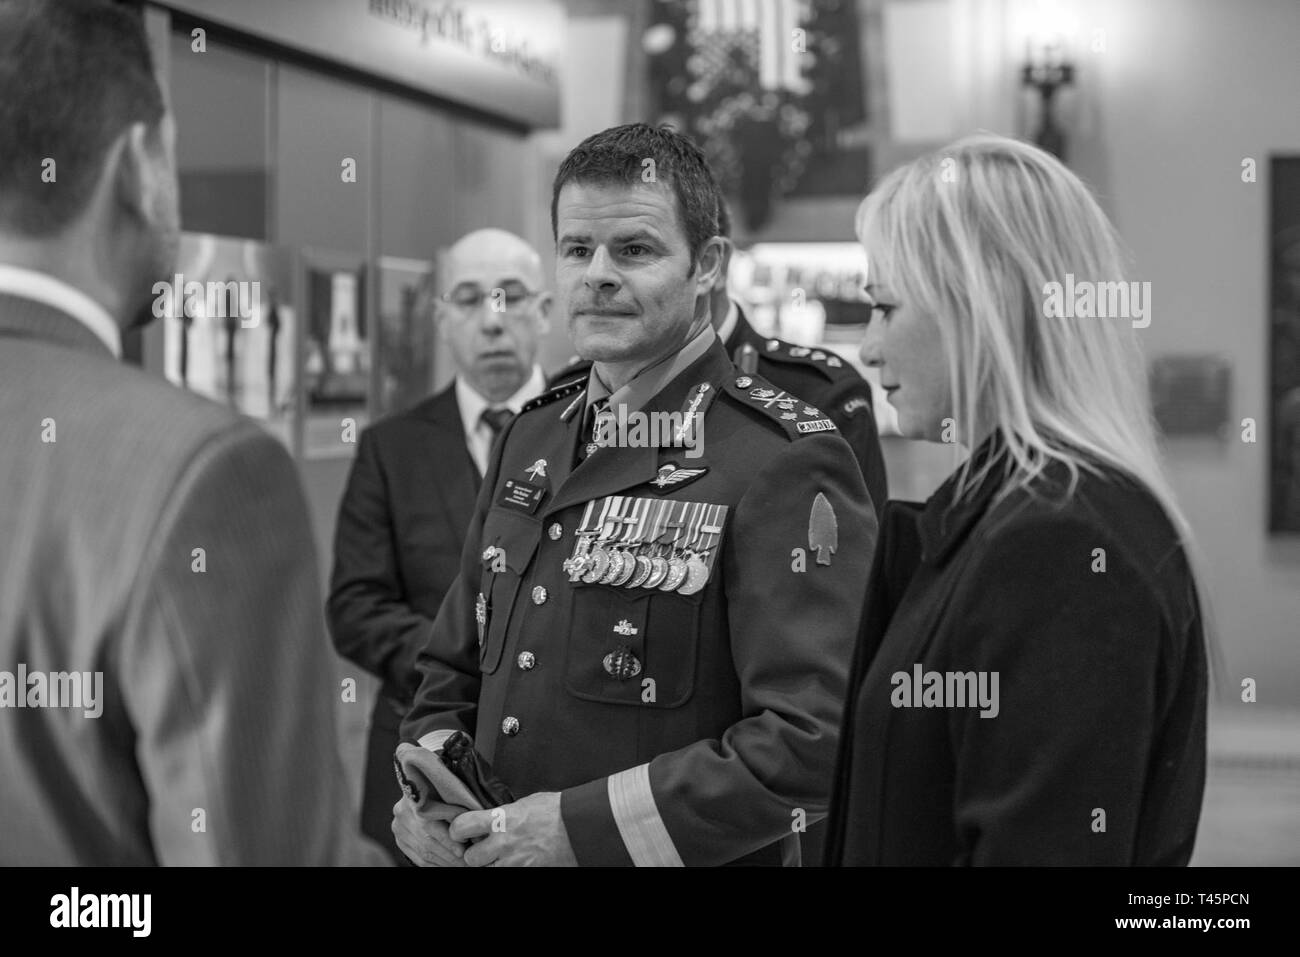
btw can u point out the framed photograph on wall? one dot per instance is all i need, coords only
(336, 353)
(229, 328)
(405, 347)
(1284, 346)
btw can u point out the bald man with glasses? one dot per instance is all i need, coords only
(402, 522)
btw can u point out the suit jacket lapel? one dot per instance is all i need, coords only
(458, 480)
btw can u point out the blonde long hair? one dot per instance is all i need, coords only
(972, 234)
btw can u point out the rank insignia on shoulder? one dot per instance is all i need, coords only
(823, 529)
(670, 475)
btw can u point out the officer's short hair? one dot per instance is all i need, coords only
(73, 75)
(618, 154)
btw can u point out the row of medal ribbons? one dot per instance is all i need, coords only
(630, 542)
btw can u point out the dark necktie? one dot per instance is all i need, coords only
(587, 440)
(496, 419)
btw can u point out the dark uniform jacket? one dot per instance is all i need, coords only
(397, 547)
(681, 728)
(818, 376)
(1095, 750)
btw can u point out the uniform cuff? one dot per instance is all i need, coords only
(589, 821)
(615, 821)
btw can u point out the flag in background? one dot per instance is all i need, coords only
(762, 29)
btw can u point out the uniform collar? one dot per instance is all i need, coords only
(57, 294)
(472, 404)
(623, 467)
(729, 324)
(944, 523)
(650, 381)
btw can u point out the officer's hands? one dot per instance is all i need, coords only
(528, 833)
(422, 835)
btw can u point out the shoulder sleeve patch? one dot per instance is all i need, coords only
(793, 414)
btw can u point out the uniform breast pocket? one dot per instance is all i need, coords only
(509, 542)
(632, 647)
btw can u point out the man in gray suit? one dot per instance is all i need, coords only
(166, 693)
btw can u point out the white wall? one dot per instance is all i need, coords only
(1185, 90)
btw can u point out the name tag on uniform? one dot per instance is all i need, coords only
(522, 495)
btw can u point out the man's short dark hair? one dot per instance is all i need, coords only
(618, 154)
(724, 219)
(73, 75)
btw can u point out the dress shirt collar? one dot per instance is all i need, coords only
(472, 404)
(44, 288)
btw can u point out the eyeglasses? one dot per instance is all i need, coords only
(512, 297)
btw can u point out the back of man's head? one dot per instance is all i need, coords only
(74, 74)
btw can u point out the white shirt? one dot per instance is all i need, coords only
(57, 294)
(478, 434)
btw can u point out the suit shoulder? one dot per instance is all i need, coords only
(399, 420)
(762, 400)
(562, 391)
(166, 410)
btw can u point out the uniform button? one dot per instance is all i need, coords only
(557, 532)
(744, 382)
(539, 595)
(526, 660)
(510, 726)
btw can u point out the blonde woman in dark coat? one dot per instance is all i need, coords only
(1030, 681)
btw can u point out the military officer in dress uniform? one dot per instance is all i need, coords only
(664, 571)
(818, 375)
